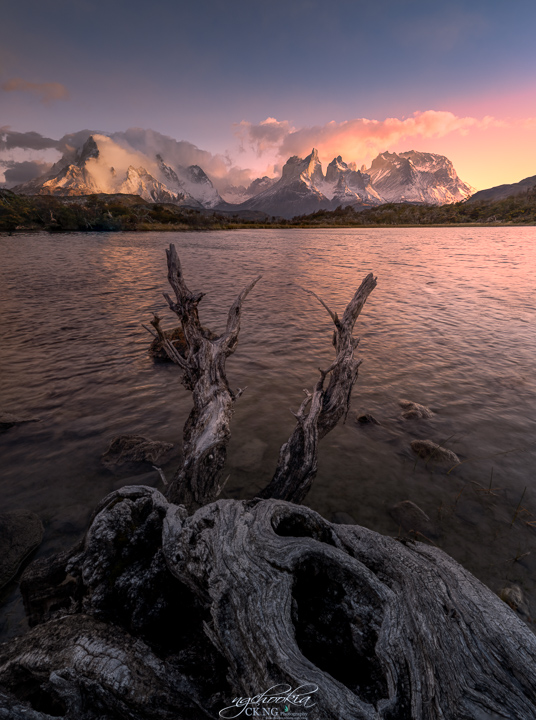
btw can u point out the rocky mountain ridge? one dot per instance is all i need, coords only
(103, 166)
(500, 192)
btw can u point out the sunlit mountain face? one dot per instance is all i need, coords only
(103, 165)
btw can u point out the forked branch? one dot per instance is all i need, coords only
(206, 432)
(297, 466)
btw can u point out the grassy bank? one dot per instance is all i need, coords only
(130, 212)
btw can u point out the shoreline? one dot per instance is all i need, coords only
(260, 226)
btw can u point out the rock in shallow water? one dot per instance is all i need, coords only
(178, 340)
(513, 596)
(135, 448)
(21, 532)
(176, 335)
(430, 450)
(367, 419)
(414, 410)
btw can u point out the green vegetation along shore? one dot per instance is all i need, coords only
(102, 212)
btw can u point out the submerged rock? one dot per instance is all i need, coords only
(178, 340)
(8, 420)
(413, 519)
(135, 448)
(176, 335)
(513, 596)
(21, 532)
(413, 410)
(430, 450)
(367, 419)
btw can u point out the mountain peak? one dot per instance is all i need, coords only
(89, 149)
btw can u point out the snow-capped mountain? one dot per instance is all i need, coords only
(417, 177)
(236, 194)
(346, 186)
(303, 188)
(408, 177)
(109, 164)
(193, 182)
(102, 165)
(297, 192)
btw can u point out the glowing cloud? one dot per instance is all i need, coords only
(356, 139)
(46, 92)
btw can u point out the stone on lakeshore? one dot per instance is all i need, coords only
(21, 531)
(413, 410)
(413, 519)
(429, 450)
(367, 419)
(135, 448)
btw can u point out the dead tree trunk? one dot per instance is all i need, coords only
(206, 432)
(248, 605)
(174, 616)
(297, 464)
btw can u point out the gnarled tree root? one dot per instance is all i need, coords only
(242, 596)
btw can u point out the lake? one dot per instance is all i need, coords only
(451, 325)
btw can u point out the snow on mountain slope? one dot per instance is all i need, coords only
(102, 165)
(417, 177)
(296, 192)
(238, 194)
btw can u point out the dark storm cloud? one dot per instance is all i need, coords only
(27, 140)
(19, 172)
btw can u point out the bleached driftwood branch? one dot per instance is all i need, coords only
(298, 464)
(206, 432)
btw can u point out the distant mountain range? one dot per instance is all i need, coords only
(99, 167)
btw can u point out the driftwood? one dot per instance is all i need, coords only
(244, 607)
(297, 465)
(206, 432)
(175, 616)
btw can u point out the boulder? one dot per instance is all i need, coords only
(429, 450)
(178, 340)
(176, 335)
(513, 596)
(413, 410)
(367, 419)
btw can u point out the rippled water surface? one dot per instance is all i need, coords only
(450, 325)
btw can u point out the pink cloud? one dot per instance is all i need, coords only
(356, 139)
(46, 92)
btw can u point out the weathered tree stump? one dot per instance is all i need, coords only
(169, 613)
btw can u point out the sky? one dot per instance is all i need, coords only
(251, 82)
